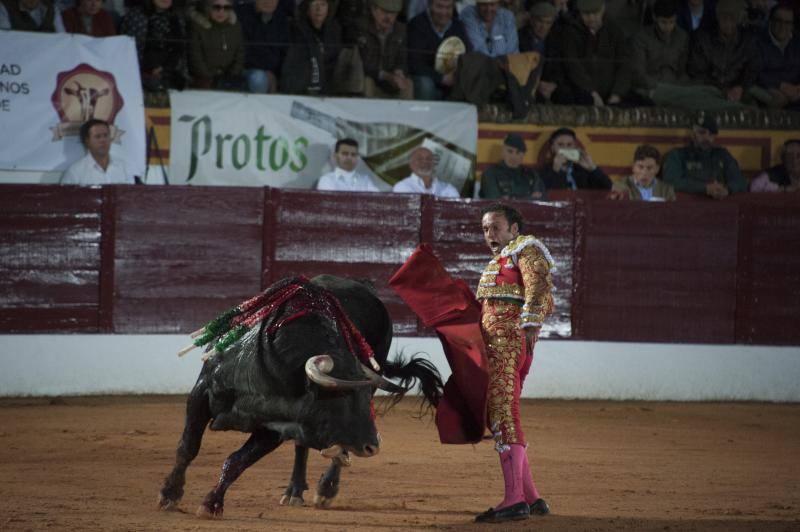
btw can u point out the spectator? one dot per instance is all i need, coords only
(217, 47)
(344, 177)
(596, 56)
(642, 184)
(160, 34)
(311, 59)
(426, 32)
(266, 36)
(381, 39)
(695, 15)
(701, 167)
(784, 177)
(89, 18)
(97, 167)
(422, 180)
(725, 57)
(536, 37)
(510, 179)
(779, 50)
(758, 14)
(660, 54)
(491, 29)
(569, 166)
(30, 15)
(349, 14)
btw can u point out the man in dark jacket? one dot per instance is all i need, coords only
(509, 179)
(426, 32)
(726, 57)
(779, 78)
(569, 166)
(701, 167)
(537, 36)
(30, 15)
(596, 57)
(382, 43)
(265, 31)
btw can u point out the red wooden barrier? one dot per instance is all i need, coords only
(166, 259)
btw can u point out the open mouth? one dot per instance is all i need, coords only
(495, 246)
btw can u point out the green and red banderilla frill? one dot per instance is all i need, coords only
(306, 297)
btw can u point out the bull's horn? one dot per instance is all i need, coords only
(332, 451)
(380, 382)
(318, 368)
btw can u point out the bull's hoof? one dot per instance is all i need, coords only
(320, 501)
(292, 500)
(167, 504)
(204, 512)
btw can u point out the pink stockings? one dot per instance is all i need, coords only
(519, 484)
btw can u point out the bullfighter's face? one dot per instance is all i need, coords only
(497, 232)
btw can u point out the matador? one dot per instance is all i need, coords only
(515, 292)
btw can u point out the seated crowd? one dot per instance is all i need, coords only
(700, 168)
(693, 54)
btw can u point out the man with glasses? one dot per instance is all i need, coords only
(778, 83)
(491, 29)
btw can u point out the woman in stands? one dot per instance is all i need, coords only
(316, 42)
(160, 34)
(216, 55)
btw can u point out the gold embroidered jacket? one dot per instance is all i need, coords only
(521, 274)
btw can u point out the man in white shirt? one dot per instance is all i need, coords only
(421, 180)
(97, 167)
(345, 178)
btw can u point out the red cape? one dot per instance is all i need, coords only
(447, 305)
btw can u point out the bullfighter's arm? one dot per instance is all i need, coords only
(535, 268)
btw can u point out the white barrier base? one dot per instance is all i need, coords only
(54, 364)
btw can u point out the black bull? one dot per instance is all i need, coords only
(273, 385)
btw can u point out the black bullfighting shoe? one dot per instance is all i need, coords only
(539, 507)
(521, 510)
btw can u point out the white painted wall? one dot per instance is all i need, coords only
(53, 364)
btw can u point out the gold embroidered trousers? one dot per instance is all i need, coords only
(509, 362)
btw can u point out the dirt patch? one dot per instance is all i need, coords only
(97, 463)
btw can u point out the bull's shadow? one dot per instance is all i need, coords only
(300, 375)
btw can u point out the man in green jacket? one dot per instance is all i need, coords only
(703, 168)
(509, 179)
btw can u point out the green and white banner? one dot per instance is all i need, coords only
(221, 138)
(51, 83)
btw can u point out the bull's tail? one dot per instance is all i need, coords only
(417, 370)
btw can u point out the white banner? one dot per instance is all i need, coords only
(220, 138)
(51, 83)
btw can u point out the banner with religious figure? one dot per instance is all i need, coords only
(51, 83)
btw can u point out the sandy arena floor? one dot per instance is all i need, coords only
(97, 463)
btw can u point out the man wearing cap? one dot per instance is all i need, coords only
(382, 43)
(492, 30)
(426, 32)
(596, 57)
(571, 167)
(537, 36)
(422, 179)
(509, 179)
(726, 57)
(703, 168)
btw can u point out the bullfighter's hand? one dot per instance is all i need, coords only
(531, 336)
